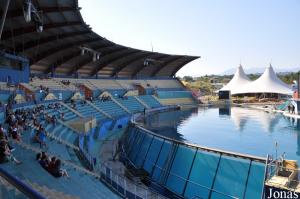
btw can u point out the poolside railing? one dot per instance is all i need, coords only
(120, 183)
(7, 180)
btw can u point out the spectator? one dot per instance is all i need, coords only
(40, 137)
(15, 133)
(51, 165)
(44, 161)
(6, 154)
(62, 116)
(54, 120)
(57, 171)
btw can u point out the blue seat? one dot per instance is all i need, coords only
(111, 108)
(150, 101)
(131, 104)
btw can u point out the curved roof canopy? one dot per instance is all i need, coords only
(58, 48)
(268, 82)
(239, 79)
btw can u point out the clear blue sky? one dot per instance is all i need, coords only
(222, 32)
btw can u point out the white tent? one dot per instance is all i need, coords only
(239, 80)
(268, 82)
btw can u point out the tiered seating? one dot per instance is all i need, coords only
(174, 94)
(62, 132)
(72, 83)
(59, 132)
(150, 101)
(132, 104)
(129, 83)
(63, 95)
(34, 175)
(61, 143)
(110, 107)
(175, 97)
(172, 84)
(3, 86)
(30, 171)
(177, 101)
(49, 83)
(68, 114)
(105, 84)
(4, 97)
(88, 111)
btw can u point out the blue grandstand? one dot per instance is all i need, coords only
(71, 102)
(49, 110)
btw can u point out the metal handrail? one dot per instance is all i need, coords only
(102, 168)
(21, 186)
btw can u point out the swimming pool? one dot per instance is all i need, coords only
(235, 129)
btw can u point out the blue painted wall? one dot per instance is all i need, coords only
(16, 76)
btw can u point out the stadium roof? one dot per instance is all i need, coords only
(58, 46)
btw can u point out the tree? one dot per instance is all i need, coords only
(188, 78)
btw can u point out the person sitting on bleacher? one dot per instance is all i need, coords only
(11, 119)
(43, 160)
(57, 106)
(6, 154)
(3, 133)
(14, 132)
(51, 164)
(62, 116)
(57, 171)
(48, 118)
(35, 123)
(4, 136)
(53, 120)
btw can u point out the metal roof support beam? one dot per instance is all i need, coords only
(115, 56)
(80, 64)
(19, 12)
(67, 58)
(62, 60)
(139, 69)
(158, 69)
(35, 43)
(58, 49)
(125, 64)
(103, 53)
(20, 31)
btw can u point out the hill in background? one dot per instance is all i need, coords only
(260, 70)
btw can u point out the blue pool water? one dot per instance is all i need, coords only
(233, 129)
